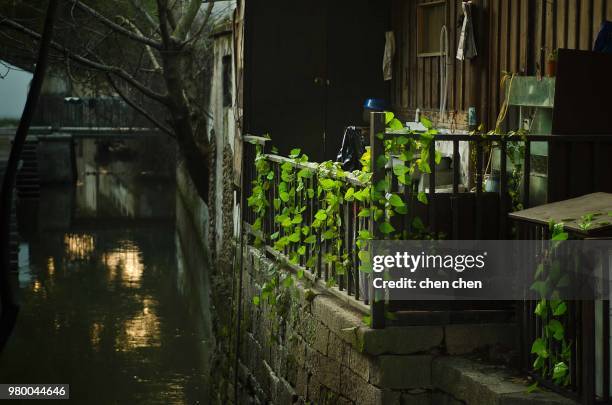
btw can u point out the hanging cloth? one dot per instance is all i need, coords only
(467, 41)
(389, 55)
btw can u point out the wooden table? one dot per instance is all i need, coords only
(572, 213)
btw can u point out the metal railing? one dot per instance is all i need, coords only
(462, 209)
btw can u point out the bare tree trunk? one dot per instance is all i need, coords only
(8, 301)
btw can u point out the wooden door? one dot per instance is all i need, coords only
(285, 67)
(309, 66)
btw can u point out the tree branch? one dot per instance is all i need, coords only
(137, 4)
(115, 70)
(139, 109)
(116, 27)
(184, 25)
(207, 15)
(152, 57)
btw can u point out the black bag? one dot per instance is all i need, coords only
(352, 149)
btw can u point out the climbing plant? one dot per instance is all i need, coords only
(552, 349)
(405, 153)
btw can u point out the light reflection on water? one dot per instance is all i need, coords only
(103, 306)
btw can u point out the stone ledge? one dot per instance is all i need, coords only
(464, 339)
(480, 384)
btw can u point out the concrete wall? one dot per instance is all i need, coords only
(222, 128)
(55, 159)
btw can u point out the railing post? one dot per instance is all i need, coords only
(377, 148)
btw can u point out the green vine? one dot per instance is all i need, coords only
(409, 157)
(552, 349)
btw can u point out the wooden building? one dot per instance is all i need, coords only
(308, 67)
(512, 36)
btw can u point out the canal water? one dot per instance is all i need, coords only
(110, 304)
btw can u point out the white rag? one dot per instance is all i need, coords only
(467, 42)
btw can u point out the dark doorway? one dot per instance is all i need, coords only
(309, 66)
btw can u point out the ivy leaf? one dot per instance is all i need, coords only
(327, 184)
(328, 235)
(424, 166)
(386, 228)
(277, 203)
(294, 153)
(305, 174)
(400, 170)
(561, 309)
(395, 125)
(539, 347)
(270, 175)
(561, 236)
(294, 237)
(350, 194)
(382, 185)
(557, 329)
(396, 201)
(402, 140)
(438, 157)
(532, 388)
(256, 300)
(560, 371)
(301, 250)
(275, 235)
(401, 210)
(321, 215)
(284, 196)
(381, 161)
(365, 234)
(418, 224)
(310, 193)
(364, 213)
(288, 282)
(426, 122)
(367, 320)
(422, 197)
(540, 308)
(540, 287)
(297, 219)
(311, 239)
(389, 116)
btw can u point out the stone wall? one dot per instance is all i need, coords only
(312, 348)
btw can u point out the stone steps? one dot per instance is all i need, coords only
(471, 382)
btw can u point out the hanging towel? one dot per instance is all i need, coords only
(467, 41)
(389, 55)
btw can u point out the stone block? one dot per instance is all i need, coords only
(324, 369)
(463, 339)
(348, 356)
(400, 340)
(401, 372)
(418, 397)
(334, 315)
(442, 398)
(301, 385)
(285, 394)
(475, 383)
(361, 392)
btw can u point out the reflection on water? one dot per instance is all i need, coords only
(109, 303)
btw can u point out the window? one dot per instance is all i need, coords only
(227, 80)
(430, 19)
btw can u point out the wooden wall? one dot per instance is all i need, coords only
(511, 37)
